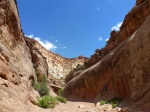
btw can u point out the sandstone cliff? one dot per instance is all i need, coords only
(17, 61)
(58, 66)
(122, 68)
(24, 61)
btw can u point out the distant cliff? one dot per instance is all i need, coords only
(58, 66)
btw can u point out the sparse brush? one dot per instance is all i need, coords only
(42, 88)
(114, 102)
(47, 102)
(60, 91)
(61, 99)
(102, 102)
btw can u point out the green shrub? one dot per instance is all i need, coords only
(114, 104)
(42, 88)
(102, 102)
(60, 91)
(47, 102)
(61, 99)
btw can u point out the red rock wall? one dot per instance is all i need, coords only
(123, 70)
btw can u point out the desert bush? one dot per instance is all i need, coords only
(42, 88)
(102, 102)
(61, 99)
(60, 91)
(114, 102)
(47, 102)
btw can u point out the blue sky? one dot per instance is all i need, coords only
(72, 27)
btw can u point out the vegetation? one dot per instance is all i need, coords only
(114, 102)
(47, 102)
(61, 99)
(42, 86)
(60, 91)
(103, 102)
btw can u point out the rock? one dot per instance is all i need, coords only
(39, 62)
(97, 104)
(119, 109)
(81, 106)
(34, 95)
(120, 69)
(58, 66)
(16, 67)
(123, 69)
(125, 109)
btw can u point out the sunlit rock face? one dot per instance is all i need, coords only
(17, 70)
(59, 66)
(122, 68)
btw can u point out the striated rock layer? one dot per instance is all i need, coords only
(58, 66)
(17, 61)
(24, 61)
(123, 69)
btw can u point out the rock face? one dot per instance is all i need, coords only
(123, 67)
(58, 66)
(39, 61)
(16, 63)
(23, 61)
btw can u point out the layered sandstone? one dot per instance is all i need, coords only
(17, 61)
(58, 66)
(133, 20)
(123, 67)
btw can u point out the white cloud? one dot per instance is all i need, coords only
(48, 45)
(106, 39)
(100, 38)
(117, 27)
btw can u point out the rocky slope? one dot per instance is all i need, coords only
(22, 63)
(122, 68)
(17, 61)
(58, 66)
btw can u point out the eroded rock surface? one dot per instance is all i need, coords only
(123, 69)
(58, 66)
(16, 68)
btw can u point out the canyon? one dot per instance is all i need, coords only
(120, 69)
(58, 66)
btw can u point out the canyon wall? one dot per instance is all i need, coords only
(17, 61)
(58, 66)
(24, 61)
(122, 69)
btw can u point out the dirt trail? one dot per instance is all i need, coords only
(82, 107)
